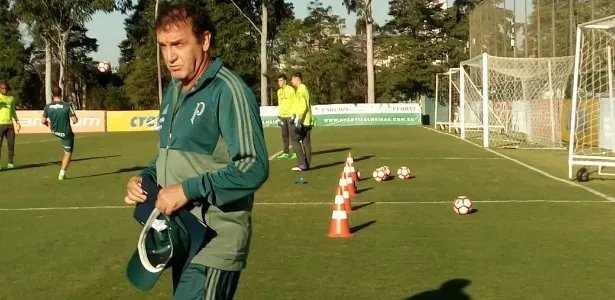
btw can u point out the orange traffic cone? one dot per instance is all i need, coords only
(339, 203)
(350, 159)
(352, 189)
(339, 227)
(346, 195)
(351, 168)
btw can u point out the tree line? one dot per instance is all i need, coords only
(419, 40)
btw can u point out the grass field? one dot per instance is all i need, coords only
(532, 237)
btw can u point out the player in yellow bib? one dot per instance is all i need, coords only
(286, 97)
(302, 121)
(8, 114)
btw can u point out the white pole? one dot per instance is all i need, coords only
(450, 99)
(573, 108)
(485, 84)
(435, 117)
(462, 101)
(611, 95)
(158, 60)
(551, 100)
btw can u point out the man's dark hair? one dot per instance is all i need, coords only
(298, 75)
(2, 82)
(282, 76)
(56, 91)
(187, 13)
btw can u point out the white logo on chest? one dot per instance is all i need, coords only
(198, 111)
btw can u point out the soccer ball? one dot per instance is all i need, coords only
(462, 205)
(386, 170)
(403, 173)
(379, 174)
(103, 66)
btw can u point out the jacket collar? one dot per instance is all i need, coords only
(206, 77)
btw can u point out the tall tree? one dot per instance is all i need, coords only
(237, 42)
(54, 20)
(12, 52)
(363, 8)
(413, 44)
(316, 47)
(455, 31)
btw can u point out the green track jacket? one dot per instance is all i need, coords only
(212, 143)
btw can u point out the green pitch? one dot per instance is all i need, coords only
(532, 237)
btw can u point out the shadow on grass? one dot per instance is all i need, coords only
(450, 290)
(357, 207)
(119, 171)
(49, 163)
(357, 228)
(330, 151)
(340, 162)
(359, 191)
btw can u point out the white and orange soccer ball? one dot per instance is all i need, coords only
(379, 174)
(386, 170)
(403, 173)
(462, 205)
(103, 66)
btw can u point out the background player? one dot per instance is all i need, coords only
(60, 114)
(286, 96)
(7, 115)
(301, 141)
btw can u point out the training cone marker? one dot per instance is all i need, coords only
(352, 190)
(353, 170)
(339, 227)
(346, 196)
(350, 172)
(339, 203)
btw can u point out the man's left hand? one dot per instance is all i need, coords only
(170, 199)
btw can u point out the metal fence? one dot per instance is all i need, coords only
(531, 28)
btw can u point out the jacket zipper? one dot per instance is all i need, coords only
(174, 103)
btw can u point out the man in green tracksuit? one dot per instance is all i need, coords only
(302, 121)
(286, 96)
(59, 113)
(212, 155)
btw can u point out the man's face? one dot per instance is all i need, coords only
(281, 82)
(296, 81)
(3, 89)
(183, 53)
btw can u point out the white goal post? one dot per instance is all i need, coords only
(447, 100)
(592, 118)
(513, 102)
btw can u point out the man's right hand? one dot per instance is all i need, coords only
(134, 193)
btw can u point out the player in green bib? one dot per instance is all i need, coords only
(57, 115)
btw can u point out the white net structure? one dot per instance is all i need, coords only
(514, 102)
(592, 118)
(447, 100)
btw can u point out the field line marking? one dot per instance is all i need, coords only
(433, 158)
(572, 183)
(42, 141)
(315, 203)
(273, 156)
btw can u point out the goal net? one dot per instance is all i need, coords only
(513, 102)
(447, 100)
(592, 118)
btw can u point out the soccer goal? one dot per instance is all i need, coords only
(447, 100)
(592, 118)
(513, 102)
